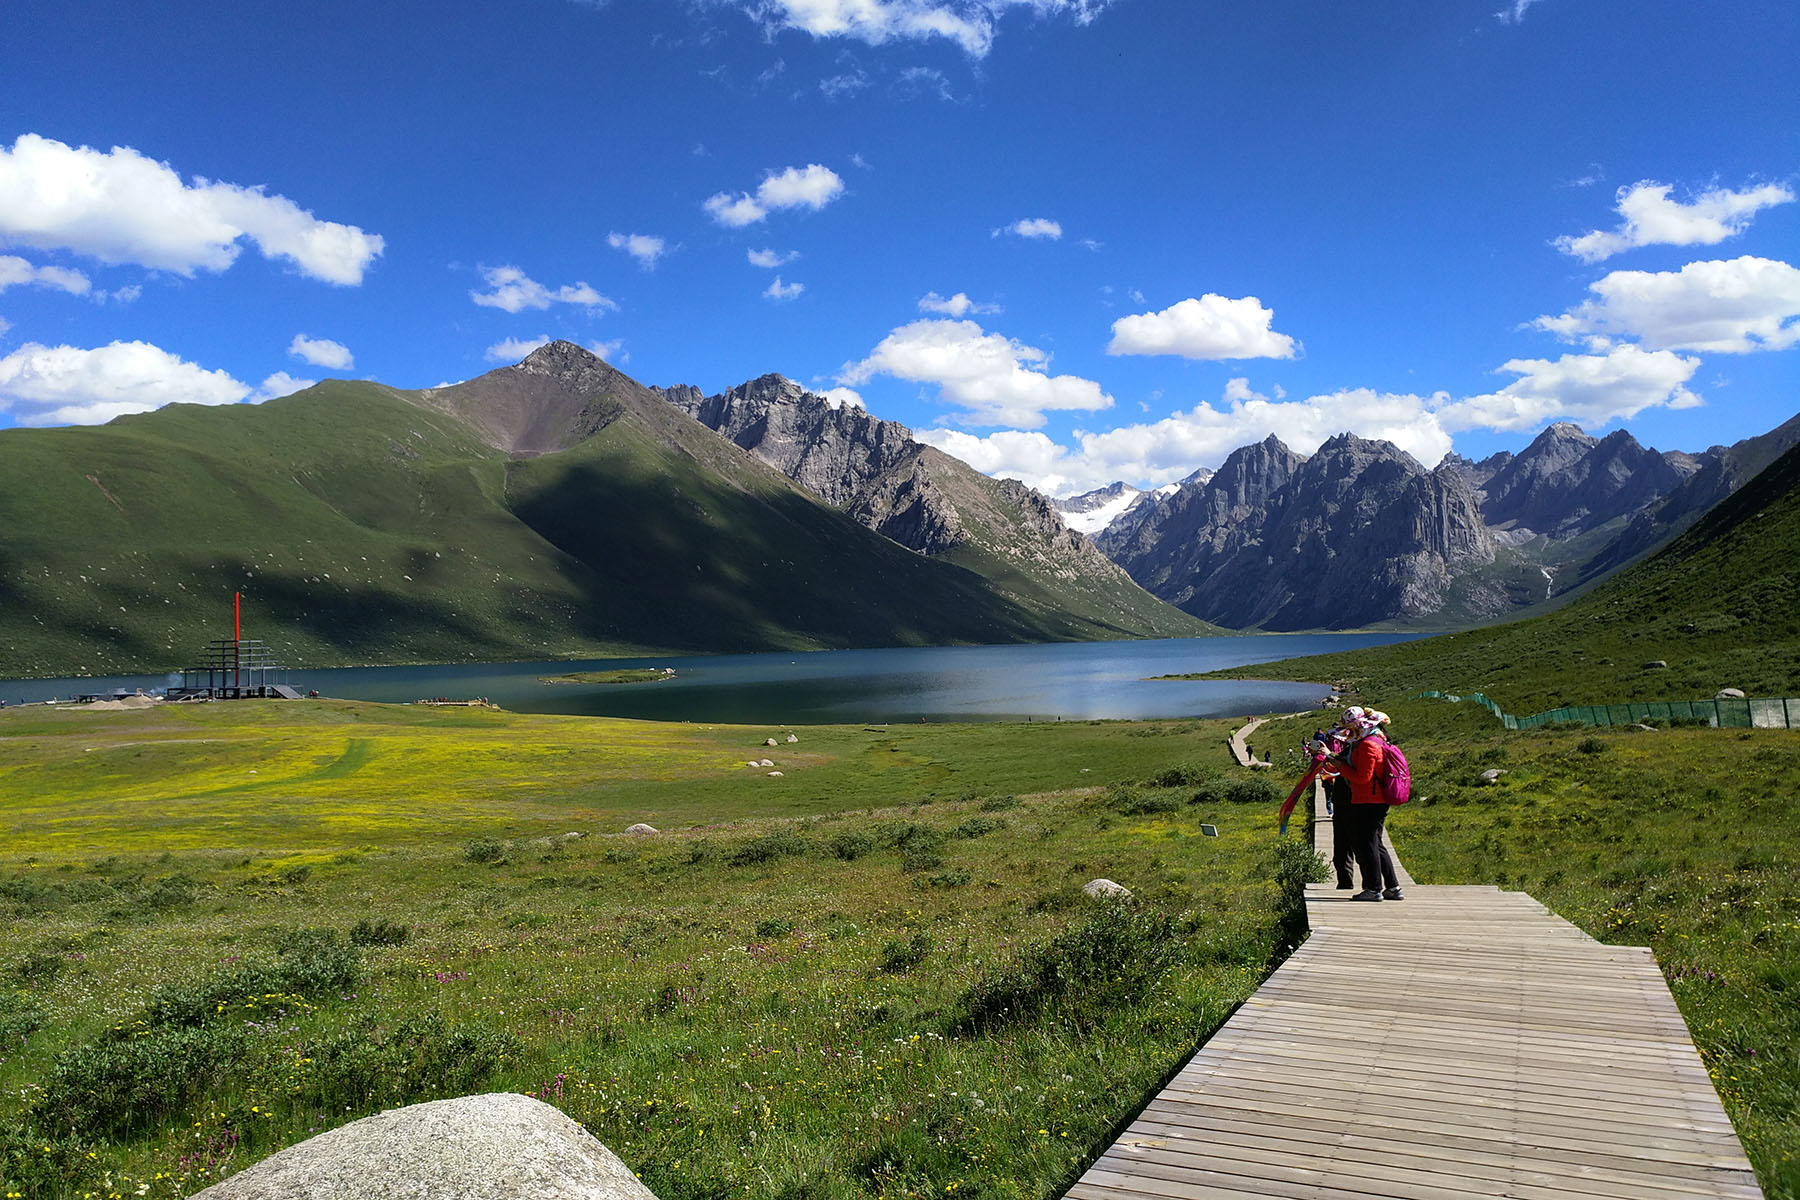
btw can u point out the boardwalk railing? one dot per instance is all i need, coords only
(1778, 713)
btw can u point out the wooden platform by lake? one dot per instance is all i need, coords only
(1463, 1042)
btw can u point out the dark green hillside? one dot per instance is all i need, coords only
(1720, 605)
(366, 524)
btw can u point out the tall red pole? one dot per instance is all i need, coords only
(237, 616)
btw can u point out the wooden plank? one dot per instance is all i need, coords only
(1462, 1043)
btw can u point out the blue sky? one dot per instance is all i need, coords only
(1068, 240)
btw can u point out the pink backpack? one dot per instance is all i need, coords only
(1394, 778)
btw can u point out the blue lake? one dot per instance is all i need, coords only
(1063, 681)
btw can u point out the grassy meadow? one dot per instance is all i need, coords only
(873, 975)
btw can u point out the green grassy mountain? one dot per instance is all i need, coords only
(551, 509)
(1720, 605)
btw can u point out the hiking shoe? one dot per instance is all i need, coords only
(1368, 895)
(1393, 894)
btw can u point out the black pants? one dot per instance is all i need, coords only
(1371, 855)
(1343, 831)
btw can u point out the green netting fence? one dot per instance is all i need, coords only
(1783, 713)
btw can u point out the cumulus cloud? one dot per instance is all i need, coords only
(1592, 389)
(321, 352)
(613, 351)
(958, 305)
(771, 258)
(1212, 327)
(277, 385)
(991, 378)
(812, 186)
(513, 349)
(843, 397)
(1033, 227)
(16, 272)
(67, 385)
(968, 23)
(1653, 219)
(1161, 452)
(1733, 307)
(782, 291)
(120, 207)
(514, 291)
(641, 246)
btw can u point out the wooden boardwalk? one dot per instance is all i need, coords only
(1463, 1042)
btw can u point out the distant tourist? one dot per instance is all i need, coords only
(1365, 753)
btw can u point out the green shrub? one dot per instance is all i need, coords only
(1133, 803)
(852, 845)
(951, 879)
(902, 954)
(1181, 775)
(378, 931)
(1253, 790)
(774, 927)
(999, 803)
(38, 967)
(921, 860)
(119, 1084)
(484, 850)
(1592, 745)
(20, 1017)
(1112, 958)
(39, 1166)
(367, 1066)
(767, 847)
(311, 962)
(976, 827)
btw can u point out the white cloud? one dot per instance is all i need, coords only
(783, 291)
(1652, 219)
(321, 352)
(66, 385)
(843, 397)
(513, 349)
(276, 385)
(1733, 307)
(991, 378)
(771, 258)
(1592, 389)
(641, 246)
(958, 305)
(812, 186)
(5, 326)
(839, 86)
(968, 23)
(1032, 227)
(121, 207)
(734, 212)
(15, 272)
(1212, 327)
(613, 351)
(514, 291)
(1162, 452)
(1515, 12)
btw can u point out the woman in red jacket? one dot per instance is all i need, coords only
(1363, 759)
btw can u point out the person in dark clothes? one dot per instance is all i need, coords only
(1337, 805)
(1363, 758)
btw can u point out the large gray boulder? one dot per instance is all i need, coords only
(499, 1146)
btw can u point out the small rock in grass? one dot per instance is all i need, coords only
(572, 836)
(1492, 776)
(770, 742)
(1106, 889)
(774, 774)
(1729, 694)
(494, 1147)
(767, 762)
(792, 738)
(1656, 664)
(640, 829)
